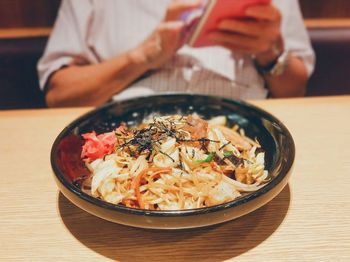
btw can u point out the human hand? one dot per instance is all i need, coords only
(168, 37)
(258, 34)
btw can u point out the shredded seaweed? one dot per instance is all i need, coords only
(150, 138)
(224, 145)
(172, 159)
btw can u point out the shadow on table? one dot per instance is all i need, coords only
(214, 243)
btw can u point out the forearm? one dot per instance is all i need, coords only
(93, 84)
(292, 82)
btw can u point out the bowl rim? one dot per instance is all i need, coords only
(174, 213)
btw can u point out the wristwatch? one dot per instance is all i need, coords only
(276, 67)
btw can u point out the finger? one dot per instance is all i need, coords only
(177, 7)
(260, 29)
(172, 26)
(249, 44)
(173, 31)
(264, 12)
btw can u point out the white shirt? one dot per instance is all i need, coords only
(91, 31)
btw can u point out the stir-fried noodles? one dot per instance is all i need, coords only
(172, 163)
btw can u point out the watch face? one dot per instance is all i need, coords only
(279, 71)
(281, 64)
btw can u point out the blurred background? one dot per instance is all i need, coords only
(25, 27)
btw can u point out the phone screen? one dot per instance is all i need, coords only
(213, 12)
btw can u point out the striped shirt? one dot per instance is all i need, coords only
(94, 31)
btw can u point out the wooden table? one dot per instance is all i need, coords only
(308, 221)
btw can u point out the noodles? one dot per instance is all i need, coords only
(173, 163)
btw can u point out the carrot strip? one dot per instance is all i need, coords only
(215, 166)
(129, 203)
(137, 181)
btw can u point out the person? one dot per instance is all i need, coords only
(121, 49)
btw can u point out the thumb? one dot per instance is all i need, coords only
(172, 26)
(173, 31)
(177, 7)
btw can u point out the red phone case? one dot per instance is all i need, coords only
(215, 11)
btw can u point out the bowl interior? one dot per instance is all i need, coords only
(269, 131)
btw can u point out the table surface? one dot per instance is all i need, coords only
(308, 221)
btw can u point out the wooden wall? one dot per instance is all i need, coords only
(325, 8)
(28, 13)
(42, 13)
(26, 24)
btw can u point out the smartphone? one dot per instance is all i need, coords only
(213, 13)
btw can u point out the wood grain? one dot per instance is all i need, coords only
(14, 33)
(24, 13)
(42, 13)
(327, 23)
(27, 32)
(325, 8)
(308, 221)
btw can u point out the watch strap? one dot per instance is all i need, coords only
(276, 67)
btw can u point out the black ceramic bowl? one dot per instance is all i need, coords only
(271, 133)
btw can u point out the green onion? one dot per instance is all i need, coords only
(208, 159)
(228, 153)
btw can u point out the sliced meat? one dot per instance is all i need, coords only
(197, 127)
(234, 138)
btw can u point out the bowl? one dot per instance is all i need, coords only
(273, 136)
